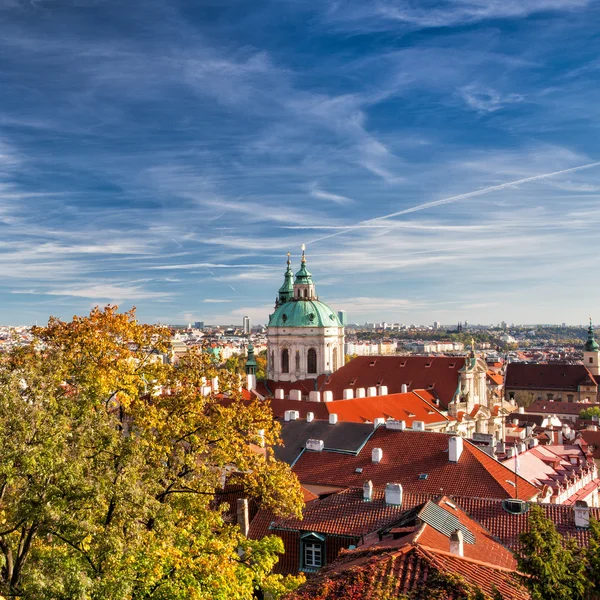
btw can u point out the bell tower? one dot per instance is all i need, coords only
(591, 352)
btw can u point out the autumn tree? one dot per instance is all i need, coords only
(111, 462)
(588, 413)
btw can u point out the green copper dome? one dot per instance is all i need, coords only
(304, 313)
(591, 345)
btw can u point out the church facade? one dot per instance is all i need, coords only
(305, 338)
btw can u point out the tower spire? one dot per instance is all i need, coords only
(286, 291)
(591, 345)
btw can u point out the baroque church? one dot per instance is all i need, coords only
(305, 336)
(306, 361)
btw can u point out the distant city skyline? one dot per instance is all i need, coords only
(440, 163)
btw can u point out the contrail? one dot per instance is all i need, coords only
(451, 199)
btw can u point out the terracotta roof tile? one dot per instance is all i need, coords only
(408, 454)
(536, 376)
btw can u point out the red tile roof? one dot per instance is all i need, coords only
(406, 455)
(436, 373)
(495, 378)
(365, 573)
(550, 407)
(506, 526)
(553, 376)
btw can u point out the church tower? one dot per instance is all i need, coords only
(591, 352)
(305, 338)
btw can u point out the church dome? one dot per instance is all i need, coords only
(591, 344)
(304, 313)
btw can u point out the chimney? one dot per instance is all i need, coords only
(515, 421)
(368, 491)
(360, 392)
(582, 514)
(404, 388)
(348, 394)
(261, 438)
(279, 394)
(250, 381)
(243, 520)
(376, 455)
(457, 543)
(510, 451)
(328, 396)
(310, 417)
(333, 419)
(522, 446)
(455, 448)
(314, 396)
(533, 442)
(394, 424)
(377, 422)
(315, 445)
(521, 410)
(295, 395)
(383, 390)
(291, 415)
(215, 384)
(371, 391)
(286, 415)
(418, 425)
(393, 494)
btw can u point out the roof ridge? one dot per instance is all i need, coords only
(434, 551)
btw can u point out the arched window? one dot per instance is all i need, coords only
(305, 293)
(334, 359)
(311, 361)
(297, 360)
(271, 366)
(299, 292)
(285, 361)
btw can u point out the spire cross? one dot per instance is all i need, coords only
(303, 249)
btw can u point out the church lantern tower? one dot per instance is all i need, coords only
(591, 352)
(251, 367)
(305, 338)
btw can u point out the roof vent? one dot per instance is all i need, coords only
(358, 470)
(368, 491)
(376, 455)
(404, 388)
(360, 392)
(310, 417)
(377, 422)
(457, 543)
(279, 394)
(348, 394)
(394, 424)
(371, 391)
(315, 445)
(582, 514)
(295, 395)
(515, 506)
(423, 476)
(393, 494)
(333, 418)
(372, 364)
(328, 396)
(418, 426)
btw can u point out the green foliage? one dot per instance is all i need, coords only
(110, 462)
(588, 413)
(261, 365)
(554, 569)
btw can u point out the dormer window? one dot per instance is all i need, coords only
(312, 551)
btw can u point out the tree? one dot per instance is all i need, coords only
(588, 413)
(553, 568)
(111, 465)
(261, 365)
(592, 556)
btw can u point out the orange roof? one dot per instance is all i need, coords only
(408, 454)
(495, 378)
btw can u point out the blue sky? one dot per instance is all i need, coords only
(168, 154)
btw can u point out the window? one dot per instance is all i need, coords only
(334, 359)
(285, 361)
(591, 360)
(312, 551)
(306, 293)
(311, 361)
(569, 397)
(550, 396)
(313, 555)
(297, 360)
